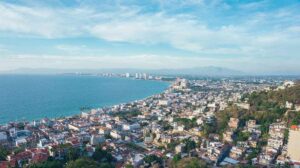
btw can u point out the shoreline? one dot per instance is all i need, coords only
(93, 108)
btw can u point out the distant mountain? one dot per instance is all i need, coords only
(198, 71)
(202, 71)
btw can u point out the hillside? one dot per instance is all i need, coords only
(265, 107)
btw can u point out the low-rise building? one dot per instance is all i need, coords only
(97, 139)
(129, 127)
(233, 123)
(3, 137)
(227, 136)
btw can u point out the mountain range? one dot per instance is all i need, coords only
(196, 71)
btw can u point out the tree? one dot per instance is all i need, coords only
(128, 166)
(176, 158)
(3, 153)
(189, 145)
(208, 128)
(172, 145)
(252, 155)
(242, 136)
(188, 123)
(106, 165)
(191, 162)
(102, 155)
(47, 164)
(20, 126)
(73, 153)
(152, 158)
(19, 149)
(83, 163)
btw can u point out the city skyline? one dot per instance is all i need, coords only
(260, 37)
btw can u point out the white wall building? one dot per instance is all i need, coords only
(3, 136)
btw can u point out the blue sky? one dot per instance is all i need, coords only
(251, 36)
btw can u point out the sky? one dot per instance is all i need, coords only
(251, 36)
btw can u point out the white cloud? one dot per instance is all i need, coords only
(179, 31)
(44, 22)
(254, 5)
(261, 35)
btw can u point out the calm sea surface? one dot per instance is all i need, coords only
(36, 96)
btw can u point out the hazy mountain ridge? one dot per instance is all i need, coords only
(204, 71)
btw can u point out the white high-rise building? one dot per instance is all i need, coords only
(145, 76)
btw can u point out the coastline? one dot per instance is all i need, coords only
(73, 113)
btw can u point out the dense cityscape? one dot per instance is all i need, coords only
(209, 122)
(149, 83)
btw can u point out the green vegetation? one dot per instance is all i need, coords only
(245, 166)
(285, 165)
(74, 158)
(152, 159)
(189, 145)
(293, 118)
(190, 163)
(176, 158)
(188, 123)
(3, 153)
(73, 153)
(165, 125)
(70, 152)
(209, 128)
(291, 94)
(254, 153)
(265, 108)
(127, 114)
(286, 136)
(102, 156)
(20, 126)
(19, 149)
(171, 146)
(135, 147)
(47, 164)
(83, 163)
(223, 117)
(128, 166)
(269, 106)
(242, 136)
(108, 136)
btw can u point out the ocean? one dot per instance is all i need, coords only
(31, 97)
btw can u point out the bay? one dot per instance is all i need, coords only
(29, 97)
